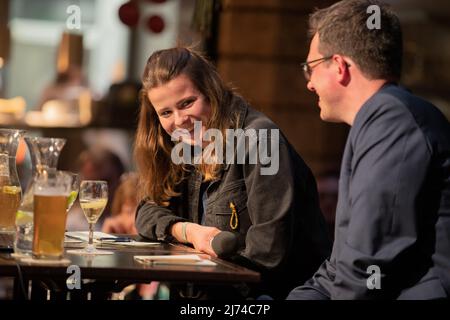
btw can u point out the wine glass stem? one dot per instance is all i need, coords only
(91, 236)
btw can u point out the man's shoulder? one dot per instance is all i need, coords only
(396, 112)
(396, 104)
(425, 115)
(402, 100)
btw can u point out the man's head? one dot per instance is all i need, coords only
(347, 60)
(343, 29)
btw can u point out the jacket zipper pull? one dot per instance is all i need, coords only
(234, 217)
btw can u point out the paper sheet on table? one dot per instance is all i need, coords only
(183, 259)
(135, 244)
(84, 236)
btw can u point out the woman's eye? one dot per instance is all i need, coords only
(186, 103)
(164, 114)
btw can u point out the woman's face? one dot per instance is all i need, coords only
(178, 104)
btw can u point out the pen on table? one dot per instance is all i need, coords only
(163, 261)
(116, 239)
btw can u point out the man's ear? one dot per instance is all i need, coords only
(342, 70)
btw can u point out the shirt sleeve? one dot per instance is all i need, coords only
(389, 165)
(316, 288)
(153, 222)
(267, 239)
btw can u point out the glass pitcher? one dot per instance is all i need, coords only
(10, 190)
(44, 158)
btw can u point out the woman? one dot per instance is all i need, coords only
(275, 217)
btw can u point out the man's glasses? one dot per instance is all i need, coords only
(307, 69)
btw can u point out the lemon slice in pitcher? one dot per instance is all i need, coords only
(71, 198)
(24, 217)
(11, 189)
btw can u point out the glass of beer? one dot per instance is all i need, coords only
(51, 192)
(93, 200)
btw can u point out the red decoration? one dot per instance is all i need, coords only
(129, 14)
(155, 24)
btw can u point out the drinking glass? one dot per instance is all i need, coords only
(93, 198)
(44, 153)
(51, 191)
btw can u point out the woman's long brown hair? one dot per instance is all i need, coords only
(158, 175)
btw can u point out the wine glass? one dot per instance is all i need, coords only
(93, 198)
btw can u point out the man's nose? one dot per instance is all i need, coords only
(310, 86)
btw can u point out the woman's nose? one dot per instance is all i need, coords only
(180, 119)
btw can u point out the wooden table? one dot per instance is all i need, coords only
(111, 273)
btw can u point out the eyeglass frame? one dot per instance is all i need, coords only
(307, 70)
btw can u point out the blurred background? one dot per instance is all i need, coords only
(71, 69)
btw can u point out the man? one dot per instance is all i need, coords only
(392, 229)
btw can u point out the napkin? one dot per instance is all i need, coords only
(182, 259)
(111, 239)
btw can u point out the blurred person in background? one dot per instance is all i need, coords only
(96, 164)
(123, 207)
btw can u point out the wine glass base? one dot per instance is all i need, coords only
(84, 252)
(19, 256)
(46, 262)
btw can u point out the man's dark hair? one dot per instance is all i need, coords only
(342, 29)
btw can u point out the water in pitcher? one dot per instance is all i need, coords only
(9, 202)
(10, 190)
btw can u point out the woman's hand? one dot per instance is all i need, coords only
(122, 223)
(201, 237)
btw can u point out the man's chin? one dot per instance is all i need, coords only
(327, 118)
(323, 115)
